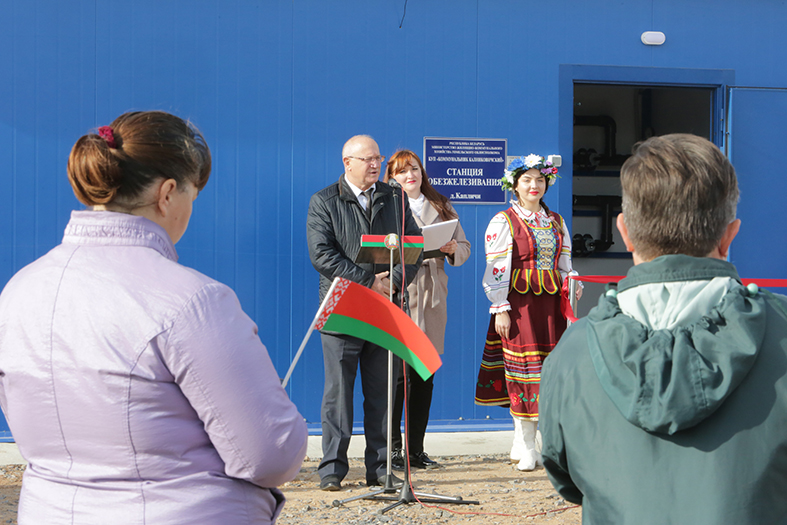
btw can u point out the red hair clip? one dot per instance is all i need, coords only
(105, 132)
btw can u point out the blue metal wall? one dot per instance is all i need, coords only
(277, 86)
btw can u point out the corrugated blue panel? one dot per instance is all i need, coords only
(275, 185)
(278, 86)
(737, 36)
(199, 82)
(758, 123)
(25, 112)
(7, 165)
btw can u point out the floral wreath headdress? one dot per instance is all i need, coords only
(528, 163)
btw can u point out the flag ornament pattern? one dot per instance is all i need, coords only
(355, 310)
(378, 241)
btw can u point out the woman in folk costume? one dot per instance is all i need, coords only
(428, 293)
(528, 256)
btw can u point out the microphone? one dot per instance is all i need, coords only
(399, 217)
(398, 191)
(396, 186)
(399, 214)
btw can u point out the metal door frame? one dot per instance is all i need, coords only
(571, 74)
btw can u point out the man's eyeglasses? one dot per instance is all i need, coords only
(379, 159)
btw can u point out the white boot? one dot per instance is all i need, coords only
(518, 446)
(529, 455)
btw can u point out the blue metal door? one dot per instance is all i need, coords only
(756, 135)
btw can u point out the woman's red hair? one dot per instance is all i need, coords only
(399, 162)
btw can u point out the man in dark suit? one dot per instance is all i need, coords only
(339, 215)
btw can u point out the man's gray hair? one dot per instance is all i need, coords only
(349, 145)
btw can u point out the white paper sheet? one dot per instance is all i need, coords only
(437, 235)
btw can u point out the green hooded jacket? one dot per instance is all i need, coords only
(674, 412)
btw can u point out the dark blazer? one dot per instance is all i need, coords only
(334, 227)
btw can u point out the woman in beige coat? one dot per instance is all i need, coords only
(428, 294)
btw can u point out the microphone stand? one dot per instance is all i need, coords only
(406, 493)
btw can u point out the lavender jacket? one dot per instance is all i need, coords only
(137, 389)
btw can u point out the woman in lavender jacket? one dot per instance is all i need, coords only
(136, 388)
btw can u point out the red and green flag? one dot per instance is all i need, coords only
(380, 241)
(355, 310)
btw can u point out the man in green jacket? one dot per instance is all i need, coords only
(667, 404)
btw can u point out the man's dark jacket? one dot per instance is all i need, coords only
(334, 227)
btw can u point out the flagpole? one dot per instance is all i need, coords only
(308, 333)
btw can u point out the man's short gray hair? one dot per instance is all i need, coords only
(348, 146)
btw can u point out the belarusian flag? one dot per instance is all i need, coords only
(356, 310)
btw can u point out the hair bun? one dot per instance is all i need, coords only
(94, 173)
(120, 162)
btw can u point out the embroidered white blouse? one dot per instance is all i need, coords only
(498, 245)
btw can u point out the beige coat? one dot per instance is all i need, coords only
(429, 289)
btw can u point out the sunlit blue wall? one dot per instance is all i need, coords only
(278, 86)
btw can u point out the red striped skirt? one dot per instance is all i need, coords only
(510, 370)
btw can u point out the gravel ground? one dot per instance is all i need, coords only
(10, 485)
(505, 495)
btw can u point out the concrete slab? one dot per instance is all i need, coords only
(436, 444)
(9, 455)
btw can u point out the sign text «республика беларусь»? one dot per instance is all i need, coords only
(456, 166)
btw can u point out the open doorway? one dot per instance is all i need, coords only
(608, 120)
